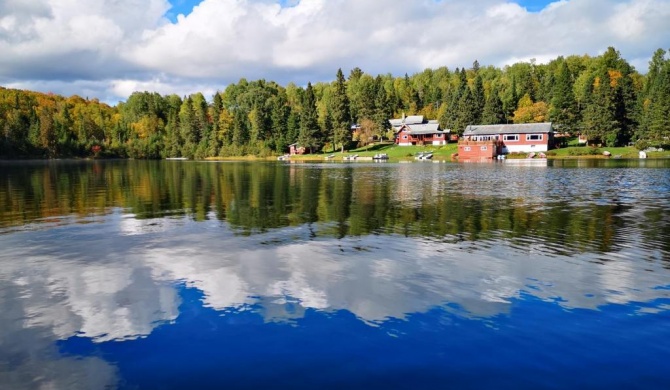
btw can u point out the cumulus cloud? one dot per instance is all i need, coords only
(130, 44)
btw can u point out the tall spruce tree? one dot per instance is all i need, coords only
(563, 111)
(655, 120)
(493, 113)
(340, 112)
(382, 108)
(599, 121)
(466, 112)
(309, 136)
(478, 97)
(187, 130)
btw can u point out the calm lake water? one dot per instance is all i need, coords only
(172, 274)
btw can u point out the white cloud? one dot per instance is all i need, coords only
(129, 44)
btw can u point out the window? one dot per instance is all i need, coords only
(466, 148)
(533, 137)
(511, 137)
(404, 137)
(483, 138)
(483, 148)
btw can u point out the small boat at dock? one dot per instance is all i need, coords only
(424, 156)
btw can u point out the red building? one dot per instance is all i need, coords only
(483, 142)
(414, 130)
(294, 149)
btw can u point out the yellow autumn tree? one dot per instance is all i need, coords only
(529, 112)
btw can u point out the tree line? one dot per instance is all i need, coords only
(603, 98)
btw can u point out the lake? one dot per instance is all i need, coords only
(182, 274)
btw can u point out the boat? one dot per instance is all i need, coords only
(176, 158)
(380, 156)
(328, 157)
(284, 157)
(350, 158)
(424, 156)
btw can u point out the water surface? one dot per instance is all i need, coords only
(161, 275)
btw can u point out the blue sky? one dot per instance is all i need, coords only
(111, 48)
(181, 7)
(533, 5)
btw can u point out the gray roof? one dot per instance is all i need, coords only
(408, 120)
(522, 128)
(414, 119)
(395, 122)
(425, 128)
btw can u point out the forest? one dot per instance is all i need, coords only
(603, 98)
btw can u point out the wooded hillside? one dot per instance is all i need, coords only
(601, 97)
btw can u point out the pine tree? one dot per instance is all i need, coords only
(656, 113)
(339, 112)
(382, 108)
(493, 113)
(479, 98)
(187, 129)
(309, 136)
(599, 121)
(466, 112)
(450, 119)
(563, 111)
(240, 129)
(279, 112)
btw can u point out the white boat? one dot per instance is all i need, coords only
(350, 158)
(328, 157)
(424, 156)
(284, 157)
(177, 158)
(380, 156)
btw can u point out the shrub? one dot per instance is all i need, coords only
(587, 151)
(641, 144)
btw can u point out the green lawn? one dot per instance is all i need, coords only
(445, 152)
(591, 152)
(400, 152)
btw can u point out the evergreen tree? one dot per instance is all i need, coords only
(466, 112)
(382, 108)
(450, 120)
(187, 129)
(599, 121)
(279, 112)
(240, 135)
(563, 111)
(292, 126)
(309, 136)
(479, 98)
(655, 110)
(339, 112)
(493, 112)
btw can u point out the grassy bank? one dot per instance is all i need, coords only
(575, 152)
(394, 152)
(445, 152)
